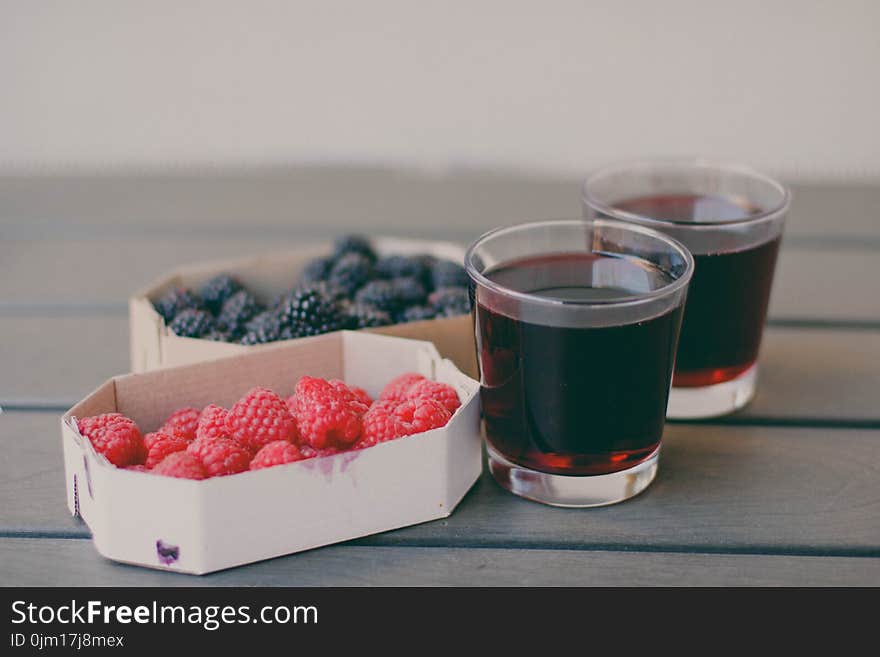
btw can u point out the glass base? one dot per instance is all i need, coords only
(573, 491)
(714, 400)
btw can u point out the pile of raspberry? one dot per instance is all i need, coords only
(261, 430)
(351, 288)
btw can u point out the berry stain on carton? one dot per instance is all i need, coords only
(167, 554)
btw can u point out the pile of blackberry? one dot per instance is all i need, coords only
(352, 288)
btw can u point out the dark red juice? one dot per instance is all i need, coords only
(682, 208)
(728, 294)
(570, 400)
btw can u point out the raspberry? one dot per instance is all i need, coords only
(278, 452)
(182, 465)
(174, 301)
(380, 425)
(356, 393)
(260, 417)
(116, 437)
(152, 437)
(389, 419)
(443, 393)
(216, 291)
(327, 414)
(397, 388)
(183, 422)
(212, 423)
(418, 415)
(162, 445)
(220, 456)
(191, 323)
(310, 452)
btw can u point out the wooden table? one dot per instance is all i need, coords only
(785, 492)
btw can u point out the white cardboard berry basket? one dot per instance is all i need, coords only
(202, 526)
(153, 345)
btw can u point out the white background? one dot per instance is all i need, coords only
(552, 86)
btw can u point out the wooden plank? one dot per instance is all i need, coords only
(58, 360)
(826, 283)
(293, 199)
(817, 374)
(32, 476)
(726, 488)
(723, 487)
(832, 284)
(315, 198)
(69, 274)
(53, 562)
(836, 212)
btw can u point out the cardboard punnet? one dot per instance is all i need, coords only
(203, 526)
(153, 345)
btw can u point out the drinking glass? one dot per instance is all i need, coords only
(731, 218)
(576, 325)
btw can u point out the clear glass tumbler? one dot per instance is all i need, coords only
(731, 218)
(576, 326)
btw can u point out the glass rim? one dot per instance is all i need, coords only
(696, 164)
(640, 298)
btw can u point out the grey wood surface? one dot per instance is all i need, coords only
(53, 562)
(86, 350)
(313, 201)
(49, 275)
(59, 359)
(784, 492)
(720, 488)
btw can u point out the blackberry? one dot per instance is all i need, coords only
(175, 300)
(360, 316)
(446, 273)
(310, 310)
(217, 335)
(334, 292)
(216, 291)
(379, 294)
(353, 244)
(265, 327)
(391, 296)
(191, 323)
(238, 310)
(351, 272)
(451, 301)
(409, 291)
(316, 270)
(418, 313)
(398, 266)
(331, 291)
(291, 332)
